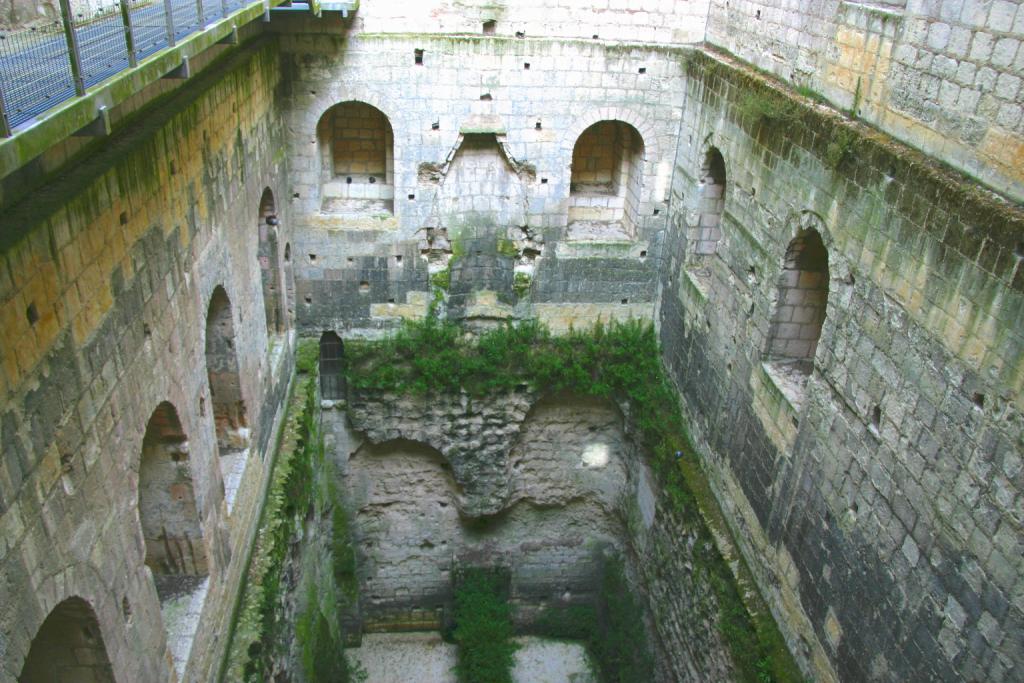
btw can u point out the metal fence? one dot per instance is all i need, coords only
(43, 66)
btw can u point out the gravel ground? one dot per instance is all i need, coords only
(425, 658)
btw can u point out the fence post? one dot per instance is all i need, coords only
(74, 56)
(223, 8)
(200, 17)
(5, 123)
(129, 36)
(169, 16)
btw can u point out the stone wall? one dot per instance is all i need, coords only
(541, 487)
(484, 130)
(944, 77)
(651, 21)
(878, 497)
(105, 280)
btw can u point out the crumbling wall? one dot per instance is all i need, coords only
(541, 487)
(877, 498)
(529, 100)
(105, 278)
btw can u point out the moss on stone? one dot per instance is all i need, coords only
(521, 284)
(507, 248)
(307, 355)
(301, 480)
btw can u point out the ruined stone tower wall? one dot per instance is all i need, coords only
(880, 502)
(944, 77)
(105, 282)
(515, 115)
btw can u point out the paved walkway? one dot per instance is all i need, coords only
(405, 657)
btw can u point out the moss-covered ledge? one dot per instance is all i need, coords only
(290, 609)
(780, 114)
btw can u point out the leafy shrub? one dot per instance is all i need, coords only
(483, 627)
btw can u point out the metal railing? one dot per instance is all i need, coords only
(43, 66)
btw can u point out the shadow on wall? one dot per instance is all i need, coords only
(68, 647)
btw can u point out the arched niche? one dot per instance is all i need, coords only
(171, 529)
(356, 144)
(229, 410)
(606, 181)
(68, 648)
(270, 265)
(707, 234)
(800, 305)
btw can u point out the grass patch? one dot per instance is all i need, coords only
(766, 107)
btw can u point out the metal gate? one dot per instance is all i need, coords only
(332, 367)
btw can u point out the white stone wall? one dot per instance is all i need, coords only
(653, 21)
(568, 86)
(944, 76)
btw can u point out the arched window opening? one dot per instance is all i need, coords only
(68, 647)
(270, 267)
(171, 530)
(332, 367)
(800, 305)
(605, 185)
(712, 204)
(229, 413)
(289, 284)
(356, 161)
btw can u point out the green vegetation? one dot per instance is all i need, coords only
(810, 93)
(302, 502)
(521, 284)
(613, 630)
(619, 362)
(483, 626)
(307, 355)
(507, 247)
(768, 107)
(839, 147)
(442, 279)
